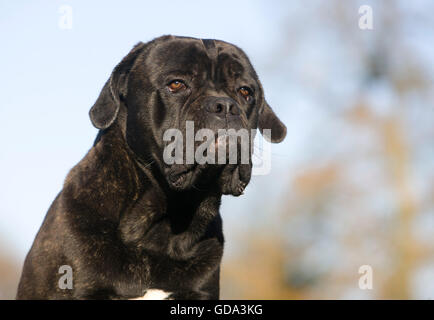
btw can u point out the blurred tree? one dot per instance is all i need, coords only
(352, 197)
(9, 274)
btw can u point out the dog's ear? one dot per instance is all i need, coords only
(268, 120)
(106, 108)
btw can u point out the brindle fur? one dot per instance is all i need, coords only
(120, 221)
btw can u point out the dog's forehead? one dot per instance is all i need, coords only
(189, 53)
(210, 48)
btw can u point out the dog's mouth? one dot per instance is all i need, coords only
(179, 178)
(231, 175)
(182, 177)
(230, 179)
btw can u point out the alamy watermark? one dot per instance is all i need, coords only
(65, 18)
(66, 280)
(367, 278)
(366, 20)
(229, 146)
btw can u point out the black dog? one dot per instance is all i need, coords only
(127, 223)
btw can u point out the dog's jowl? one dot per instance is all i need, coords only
(128, 224)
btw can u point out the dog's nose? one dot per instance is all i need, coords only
(222, 106)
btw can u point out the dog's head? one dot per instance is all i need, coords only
(176, 98)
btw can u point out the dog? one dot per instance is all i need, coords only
(126, 223)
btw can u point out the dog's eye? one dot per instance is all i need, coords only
(246, 92)
(176, 85)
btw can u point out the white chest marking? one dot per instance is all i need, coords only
(154, 294)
